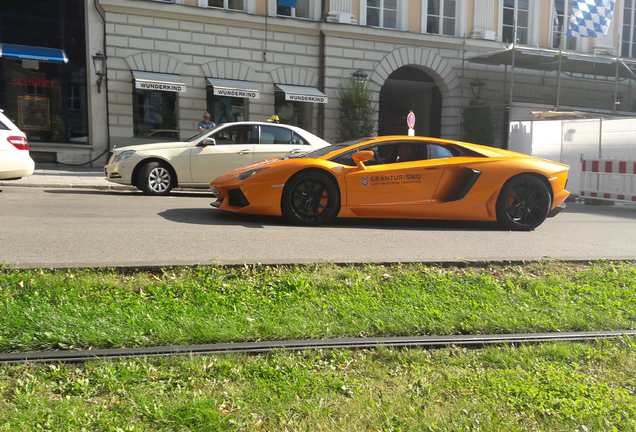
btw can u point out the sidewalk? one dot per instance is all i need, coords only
(77, 178)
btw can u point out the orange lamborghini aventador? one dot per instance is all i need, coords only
(399, 177)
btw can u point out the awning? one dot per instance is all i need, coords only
(302, 94)
(234, 88)
(158, 81)
(27, 52)
(548, 60)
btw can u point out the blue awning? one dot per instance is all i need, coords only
(27, 52)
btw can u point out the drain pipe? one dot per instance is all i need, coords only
(102, 14)
(322, 69)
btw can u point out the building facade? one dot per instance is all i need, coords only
(167, 62)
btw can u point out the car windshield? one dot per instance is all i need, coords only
(200, 135)
(326, 150)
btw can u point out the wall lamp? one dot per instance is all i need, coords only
(476, 87)
(360, 76)
(99, 63)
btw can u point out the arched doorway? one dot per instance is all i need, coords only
(409, 88)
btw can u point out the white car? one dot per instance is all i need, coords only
(15, 161)
(195, 162)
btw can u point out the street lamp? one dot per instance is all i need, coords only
(99, 63)
(360, 76)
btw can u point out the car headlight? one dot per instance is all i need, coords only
(126, 154)
(249, 173)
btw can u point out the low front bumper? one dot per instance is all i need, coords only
(119, 173)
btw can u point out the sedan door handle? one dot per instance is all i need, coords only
(294, 151)
(244, 152)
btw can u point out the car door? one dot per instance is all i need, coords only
(277, 142)
(233, 147)
(399, 182)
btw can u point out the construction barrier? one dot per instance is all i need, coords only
(612, 180)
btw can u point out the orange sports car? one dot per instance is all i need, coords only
(399, 177)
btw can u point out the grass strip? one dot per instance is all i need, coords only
(555, 387)
(79, 309)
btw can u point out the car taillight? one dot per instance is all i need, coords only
(18, 142)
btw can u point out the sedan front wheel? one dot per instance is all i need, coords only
(156, 179)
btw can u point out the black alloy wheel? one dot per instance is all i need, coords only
(311, 198)
(524, 203)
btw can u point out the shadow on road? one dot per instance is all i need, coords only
(175, 194)
(209, 216)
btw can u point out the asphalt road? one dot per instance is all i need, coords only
(75, 227)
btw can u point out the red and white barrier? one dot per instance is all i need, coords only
(612, 180)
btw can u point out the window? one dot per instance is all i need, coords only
(154, 112)
(558, 17)
(441, 17)
(3, 126)
(241, 134)
(294, 113)
(436, 151)
(47, 100)
(301, 10)
(280, 135)
(521, 9)
(382, 13)
(401, 151)
(227, 4)
(275, 135)
(628, 43)
(226, 109)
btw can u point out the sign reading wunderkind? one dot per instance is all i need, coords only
(235, 92)
(306, 98)
(160, 86)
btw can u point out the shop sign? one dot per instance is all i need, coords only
(160, 86)
(235, 92)
(31, 82)
(306, 98)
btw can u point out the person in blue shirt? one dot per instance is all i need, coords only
(206, 123)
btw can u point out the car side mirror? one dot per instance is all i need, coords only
(363, 156)
(208, 142)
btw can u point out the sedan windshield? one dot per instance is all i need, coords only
(200, 135)
(326, 150)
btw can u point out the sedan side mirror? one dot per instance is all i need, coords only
(363, 156)
(207, 142)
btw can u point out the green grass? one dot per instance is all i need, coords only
(551, 387)
(72, 309)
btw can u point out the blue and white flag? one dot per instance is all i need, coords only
(590, 18)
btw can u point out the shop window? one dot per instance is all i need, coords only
(382, 13)
(294, 113)
(300, 10)
(46, 100)
(227, 4)
(226, 109)
(522, 10)
(441, 17)
(154, 113)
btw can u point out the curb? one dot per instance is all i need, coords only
(68, 186)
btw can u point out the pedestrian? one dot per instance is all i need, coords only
(206, 123)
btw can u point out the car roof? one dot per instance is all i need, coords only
(486, 151)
